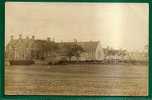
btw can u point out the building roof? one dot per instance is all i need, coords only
(89, 45)
(57, 47)
(20, 43)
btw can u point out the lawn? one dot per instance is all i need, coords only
(92, 79)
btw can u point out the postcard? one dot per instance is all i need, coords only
(77, 49)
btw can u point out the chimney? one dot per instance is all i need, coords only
(20, 36)
(33, 37)
(75, 40)
(53, 39)
(12, 37)
(48, 39)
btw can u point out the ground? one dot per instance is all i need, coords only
(93, 79)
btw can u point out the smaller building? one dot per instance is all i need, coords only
(92, 50)
(138, 56)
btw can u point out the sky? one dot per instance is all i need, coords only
(117, 25)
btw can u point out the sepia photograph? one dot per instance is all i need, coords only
(76, 49)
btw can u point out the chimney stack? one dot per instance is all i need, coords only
(12, 37)
(33, 37)
(75, 40)
(48, 39)
(20, 36)
(53, 39)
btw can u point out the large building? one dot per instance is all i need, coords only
(34, 49)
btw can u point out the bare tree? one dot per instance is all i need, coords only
(73, 50)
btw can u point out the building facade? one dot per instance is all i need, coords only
(34, 49)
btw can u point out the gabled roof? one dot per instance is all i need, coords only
(89, 45)
(19, 43)
(60, 47)
(85, 45)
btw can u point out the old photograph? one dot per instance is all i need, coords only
(76, 49)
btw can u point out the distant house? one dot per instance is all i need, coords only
(137, 56)
(114, 54)
(124, 55)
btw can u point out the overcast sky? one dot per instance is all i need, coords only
(113, 24)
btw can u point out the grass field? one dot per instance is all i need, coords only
(118, 80)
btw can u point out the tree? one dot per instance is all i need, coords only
(77, 51)
(73, 50)
(69, 52)
(108, 52)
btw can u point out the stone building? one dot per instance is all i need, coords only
(27, 48)
(33, 49)
(19, 49)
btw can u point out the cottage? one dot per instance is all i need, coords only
(92, 50)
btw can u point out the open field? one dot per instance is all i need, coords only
(93, 79)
